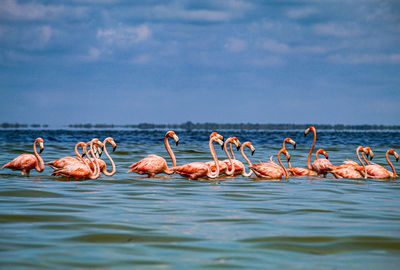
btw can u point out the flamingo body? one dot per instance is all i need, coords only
(23, 163)
(346, 172)
(222, 166)
(74, 170)
(193, 170)
(376, 171)
(62, 162)
(267, 170)
(297, 171)
(237, 164)
(151, 165)
(321, 166)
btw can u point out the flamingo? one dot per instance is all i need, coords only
(26, 162)
(376, 171)
(223, 167)
(240, 169)
(81, 170)
(197, 170)
(153, 164)
(102, 164)
(269, 171)
(233, 165)
(320, 166)
(296, 171)
(349, 168)
(62, 162)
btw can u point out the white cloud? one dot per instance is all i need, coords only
(175, 12)
(235, 45)
(338, 30)
(92, 55)
(11, 9)
(275, 46)
(124, 36)
(393, 58)
(300, 13)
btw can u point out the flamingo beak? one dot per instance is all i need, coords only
(252, 152)
(294, 146)
(177, 142)
(84, 154)
(288, 158)
(222, 147)
(252, 149)
(41, 150)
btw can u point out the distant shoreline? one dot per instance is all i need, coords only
(205, 126)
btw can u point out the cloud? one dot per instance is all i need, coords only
(92, 55)
(235, 45)
(30, 38)
(338, 30)
(31, 11)
(301, 13)
(366, 59)
(274, 46)
(124, 36)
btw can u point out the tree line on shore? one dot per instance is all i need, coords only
(213, 126)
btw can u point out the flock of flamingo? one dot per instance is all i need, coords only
(91, 167)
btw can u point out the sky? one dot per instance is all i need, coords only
(223, 61)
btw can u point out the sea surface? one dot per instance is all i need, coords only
(130, 221)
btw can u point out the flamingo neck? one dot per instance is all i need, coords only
(94, 161)
(311, 150)
(211, 174)
(111, 160)
(318, 153)
(40, 164)
(360, 148)
(390, 164)
(169, 150)
(230, 148)
(248, 161)
(364, 158)
(280, 162)
(232, 170)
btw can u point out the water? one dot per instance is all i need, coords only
(170, 222)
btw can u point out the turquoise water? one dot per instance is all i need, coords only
(174, 223)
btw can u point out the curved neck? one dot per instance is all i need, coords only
(364, 158)
(318, 153)
(311, 150)
(360, 148)
(111, 160)
(248, 161)
(169, 150)
(390, 164)
(232, 170)
(211, 174)
(40, 165)
(96, 168)
(280, 162)
(230, 148)
(84, 148)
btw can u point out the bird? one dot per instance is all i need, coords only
(239, 167)
(81, 170)
(26, 162)
(195, 170)
(376, 171)
(320, 166)
(102, 164)
(153, 164)
(226, 166)
(270, 171)
(349, 168)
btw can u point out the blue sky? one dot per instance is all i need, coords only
(127, 62)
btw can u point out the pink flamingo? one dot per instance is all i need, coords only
(350, 169)
(269, 171)
(233, 165)
(102, 164)
(197, 170)
(320, 166)
(62, 162)
(376, 171)
(81, 170)
(296, 171)
(26, 162)
(153, 164)
(240, 169)
(223, 167)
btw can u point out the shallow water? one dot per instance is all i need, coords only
(170, 222)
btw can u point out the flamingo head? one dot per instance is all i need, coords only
(218, 140)
(289, 140)
(392, 152)
(215, 134)
(311, 128)
(112, 142)
(171, 134)
(237, 143)
(41, 145)
(369, 153)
